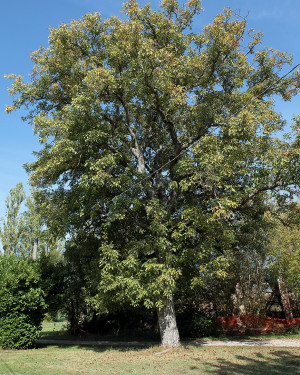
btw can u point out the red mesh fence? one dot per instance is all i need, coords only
(242, 324)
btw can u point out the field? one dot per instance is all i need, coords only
(184, 360)
(75, 360)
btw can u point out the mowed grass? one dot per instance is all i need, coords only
(125, 360)
(61, 360)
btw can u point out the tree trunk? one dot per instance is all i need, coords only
(239, 307)
(168, 326)
(285, 299)
(35, 249)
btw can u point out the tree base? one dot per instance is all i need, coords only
(168, 326)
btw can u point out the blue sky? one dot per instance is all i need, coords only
(25, 26)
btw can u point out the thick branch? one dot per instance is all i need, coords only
(137, 150)
(257, 191)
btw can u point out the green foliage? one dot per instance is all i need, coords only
(18, 332)
(52, 269)
(129, 322)
(79, 285)
(284, 248)
(23, 224)
(22, 303)
(193, 324)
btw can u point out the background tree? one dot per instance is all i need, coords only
(21, 228)
(54, 280)
(36, 231)
(23, 224)
(284, 249)
(48, 250)
(12, 228)
(159, 143)
(284, 259)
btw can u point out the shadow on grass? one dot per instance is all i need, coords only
(108, 338)
(62, 333)
(274, 363)
(53, 335)
(96, 348)
(63, 339)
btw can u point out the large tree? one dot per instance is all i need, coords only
(160, 144)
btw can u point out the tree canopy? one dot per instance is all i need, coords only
(160, 144)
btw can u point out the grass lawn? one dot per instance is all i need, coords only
(61, 360)
(184, 360)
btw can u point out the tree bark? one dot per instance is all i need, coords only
(239, 305)
(35, 249)
(285, 299)
(168, 326)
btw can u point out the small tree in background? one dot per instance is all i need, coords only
(23, 225)
(284, 249)
(12, 229)
(284, 259)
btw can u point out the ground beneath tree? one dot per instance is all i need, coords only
(235, 342)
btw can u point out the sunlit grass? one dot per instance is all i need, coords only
(54, 329)
(74, 360)
(184, 360)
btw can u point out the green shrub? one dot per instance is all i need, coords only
(193, 324)
(18, 332)
(293, 329)
(22, 303)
